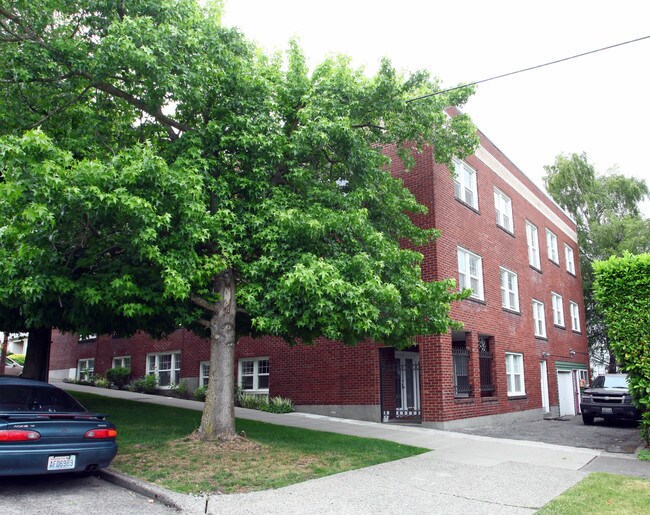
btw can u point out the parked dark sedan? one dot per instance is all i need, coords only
(44, 430)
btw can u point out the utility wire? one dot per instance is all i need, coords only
(529, 68)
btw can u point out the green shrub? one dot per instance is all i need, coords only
(119, 376)
(102, 382)
(251, 400)
(277, 405)
(199, 393)
(179, 389)
(18, 358)
(622, 290)
(145, 384)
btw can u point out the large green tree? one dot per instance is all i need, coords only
(605, 207)
(303, 221)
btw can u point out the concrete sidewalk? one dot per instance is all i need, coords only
(462, 473)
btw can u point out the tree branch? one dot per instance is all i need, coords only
(368, 126)
(204, 323)
(202, 303)
(58, 110)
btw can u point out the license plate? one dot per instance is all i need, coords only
(61, 462)
(607, 410)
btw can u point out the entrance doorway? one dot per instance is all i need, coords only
(407, 384)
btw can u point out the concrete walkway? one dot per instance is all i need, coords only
(462, 473)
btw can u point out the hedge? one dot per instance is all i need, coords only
(622, 291)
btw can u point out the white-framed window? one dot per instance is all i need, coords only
(85, 369)
(166, 366)
(204, 373)
(539, 318)
(121, 361)
(254, 375)
(509, 290)
(503, 208)
(575, 316)
(558, 309)
(551, 247)
(465, 183)
(533, 245)
(470, 272)
(515, 373)
(570, 260)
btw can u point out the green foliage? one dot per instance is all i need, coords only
(18, 358)
(102, 382)
(278, 405)
(606, 210)
(119, 376)
(179, 389)
(644, 455)
(252, 400)
(622, 290)
(145, 384)
(199, 393)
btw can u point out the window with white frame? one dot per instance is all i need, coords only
(570, 261)
(515, 374)
(551, 247)
(166, 366)
(85, 369)
(503, 208)
(558, 309)
(465, 183)
(509, 290)
(533, 245)
(575, 316)
(254, 375)
(470, 272)
(122, 362)
(204, 373)
(539, 318)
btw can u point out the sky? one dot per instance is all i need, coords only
(598, 104)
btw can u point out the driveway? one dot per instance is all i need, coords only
(617, 436)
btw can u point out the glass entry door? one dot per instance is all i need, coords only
(407, 384)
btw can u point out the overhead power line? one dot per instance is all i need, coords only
(529, 68)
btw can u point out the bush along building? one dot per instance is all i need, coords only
(522, 353)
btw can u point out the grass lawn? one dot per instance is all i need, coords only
(603, 493)
(156, 445)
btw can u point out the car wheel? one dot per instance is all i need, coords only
(587, 419)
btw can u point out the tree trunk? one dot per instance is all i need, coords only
(218, 421)
(37, 358)
(3, 353)
(611, 368)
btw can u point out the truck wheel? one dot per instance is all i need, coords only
(587, 419)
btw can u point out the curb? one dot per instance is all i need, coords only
(138, 486)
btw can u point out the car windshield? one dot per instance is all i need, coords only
(36, 398)
(611, 382)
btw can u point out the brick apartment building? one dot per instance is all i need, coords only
(521, 354)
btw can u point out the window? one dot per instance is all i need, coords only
(509, 290)
(539, 318)
(470, 272)
(122, 361)
(515, 374)
(551, 247)
(83, 338)
(503, 207)
(485, 361)
(204, 373)
(533, 245)
(166, 367)
(575, 316)
(85, 369)
(460, 355)
(570, 263)
(254, 374)
(558, 310)
(465, 183)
